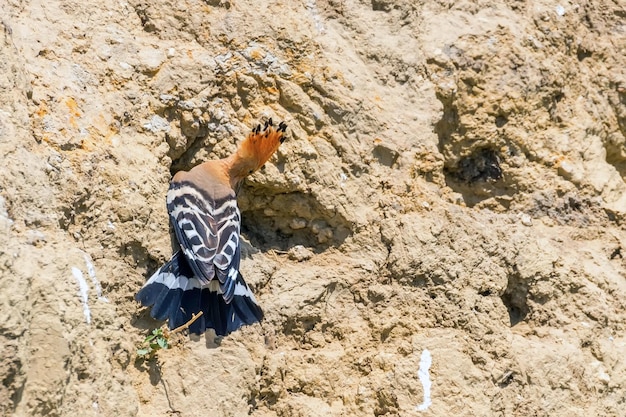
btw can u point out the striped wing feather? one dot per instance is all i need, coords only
(208, 233)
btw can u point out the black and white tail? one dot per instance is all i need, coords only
(176, 294)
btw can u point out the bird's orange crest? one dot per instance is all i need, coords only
(261, 144)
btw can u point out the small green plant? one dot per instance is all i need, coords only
(159, 339)
(156, 341)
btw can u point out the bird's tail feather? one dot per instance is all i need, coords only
(176, 294)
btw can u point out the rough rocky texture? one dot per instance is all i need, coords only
(454, 180)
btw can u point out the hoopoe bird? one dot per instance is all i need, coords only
(203, 276)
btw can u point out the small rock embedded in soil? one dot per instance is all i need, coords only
(299, 253)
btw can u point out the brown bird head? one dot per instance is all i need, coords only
(256, 149)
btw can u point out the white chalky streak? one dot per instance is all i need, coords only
(425, 361)
(83, 289)
(91, 270)
(311, 6)
(560, 10)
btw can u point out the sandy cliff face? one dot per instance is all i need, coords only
(453, 182)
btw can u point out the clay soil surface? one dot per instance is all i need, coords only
(452, 186)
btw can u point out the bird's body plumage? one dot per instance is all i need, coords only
(203, 276)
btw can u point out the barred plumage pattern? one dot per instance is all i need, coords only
(203, 276)
(208, 231)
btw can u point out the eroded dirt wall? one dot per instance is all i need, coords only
(453, 182)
